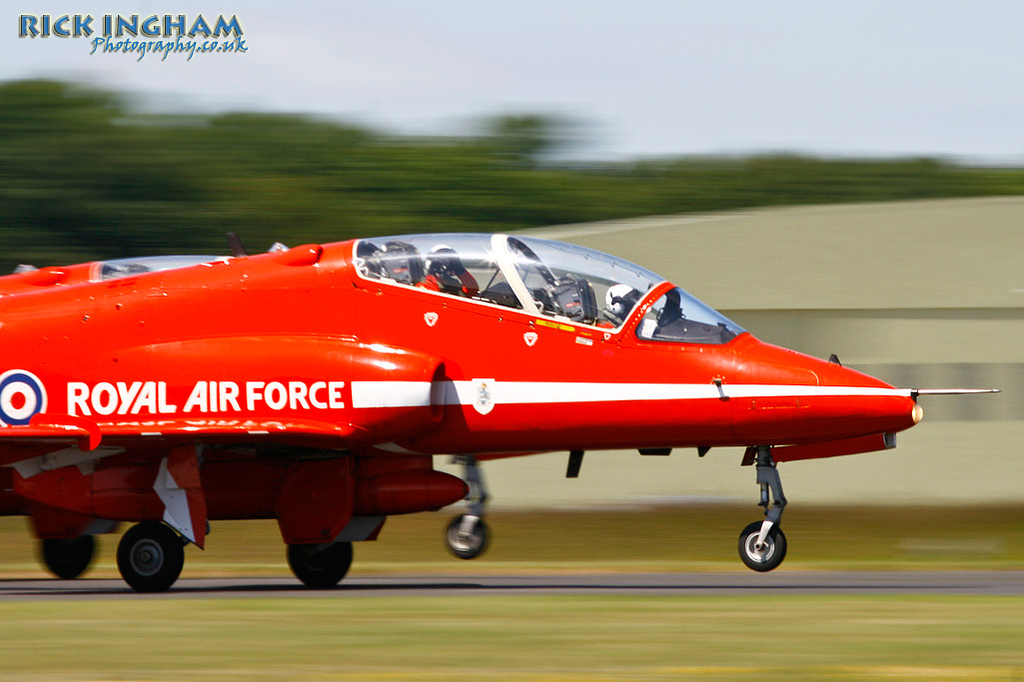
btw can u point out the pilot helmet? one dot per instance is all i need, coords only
(443, 260)
(620, 299)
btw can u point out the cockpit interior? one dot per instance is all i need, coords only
(565, 282)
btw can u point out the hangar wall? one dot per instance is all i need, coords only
(926, 294)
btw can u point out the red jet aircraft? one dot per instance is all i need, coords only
(313, 385)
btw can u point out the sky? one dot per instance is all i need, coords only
(646, 78)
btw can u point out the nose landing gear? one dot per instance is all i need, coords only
(762, 545)
(467, 534)
(763, 556)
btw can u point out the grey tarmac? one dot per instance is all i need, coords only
(972, 583)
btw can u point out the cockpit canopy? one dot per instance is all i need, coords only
(126, 267)
(563, 281)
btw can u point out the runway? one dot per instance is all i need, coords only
(991, 583)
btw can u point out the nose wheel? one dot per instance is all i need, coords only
(762, 544)
(768, 554)
(467, 535)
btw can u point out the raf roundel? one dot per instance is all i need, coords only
(22, 395)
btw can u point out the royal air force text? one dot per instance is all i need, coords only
(151, 397)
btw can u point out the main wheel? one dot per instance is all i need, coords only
(150, 557)
(319, 566)
(767, 557)
(68, 558)
(467, 545)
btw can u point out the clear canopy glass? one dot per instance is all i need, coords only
(553, 279)
(678, 316)
(125, 267)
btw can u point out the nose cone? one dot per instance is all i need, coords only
(796, 398)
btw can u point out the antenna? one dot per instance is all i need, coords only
(235, 244)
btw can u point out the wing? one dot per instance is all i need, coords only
(157, 477)
(52, 441)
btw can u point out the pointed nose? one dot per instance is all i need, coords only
(862, 404)
(812, 400)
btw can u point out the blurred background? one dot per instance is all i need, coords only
(839, 178)
(843, 180)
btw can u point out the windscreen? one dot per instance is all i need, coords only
(677, 316)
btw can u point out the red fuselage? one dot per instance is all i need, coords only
(293, 371)
(280, 337)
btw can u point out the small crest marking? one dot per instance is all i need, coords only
(430, 318)
(483, 395)
(530, 338)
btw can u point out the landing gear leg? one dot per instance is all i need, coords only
(762, 545)
(467, 534)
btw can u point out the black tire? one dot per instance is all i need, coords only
(150, 557)
(320, 567)
(467, 545)
(67, 558)
(772, 554)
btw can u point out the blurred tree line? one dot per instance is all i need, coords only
(84, 176)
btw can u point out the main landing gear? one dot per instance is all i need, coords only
(762, 544)
(150, 556)
(467, 534)
(67, 558)
(320, 566)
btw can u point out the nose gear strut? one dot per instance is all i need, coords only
(467, 534)
(762, 545)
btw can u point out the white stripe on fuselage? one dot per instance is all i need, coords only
(418, 393)
(391, 393)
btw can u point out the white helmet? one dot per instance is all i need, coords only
(619, 299)
(442, 259)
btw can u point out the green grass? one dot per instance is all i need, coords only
(516, 638)
(532, 638)
(670, 538)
